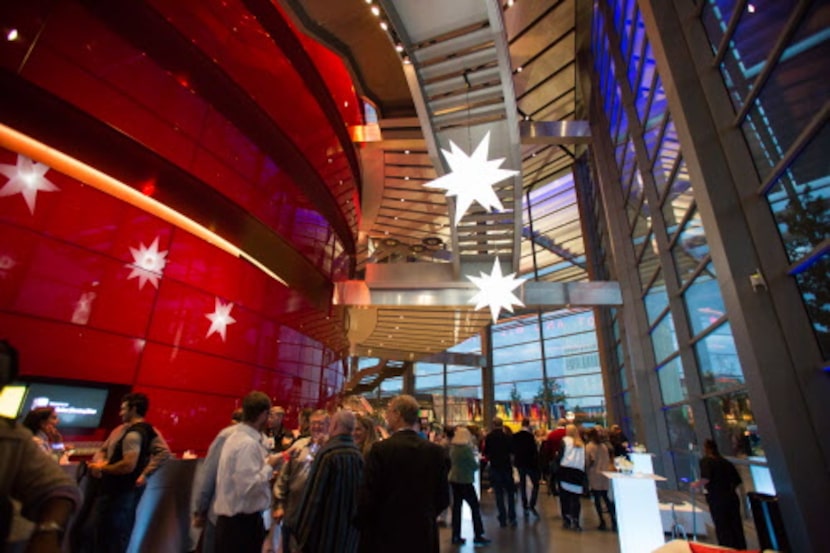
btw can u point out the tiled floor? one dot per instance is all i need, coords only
(541, 535)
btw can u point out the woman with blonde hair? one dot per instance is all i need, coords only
(364, 434)
(571, 477)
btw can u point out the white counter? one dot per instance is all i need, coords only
(638, 513)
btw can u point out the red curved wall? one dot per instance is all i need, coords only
(71, 298)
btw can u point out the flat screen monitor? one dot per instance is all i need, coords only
(77, 406)
(11, 399)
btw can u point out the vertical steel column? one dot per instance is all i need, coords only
(487, 381)
(646, 402)
(677, 308)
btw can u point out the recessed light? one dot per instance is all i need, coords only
(375, 11)
(12, 35)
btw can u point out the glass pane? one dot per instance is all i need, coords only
(391, 386)
(517, 353)
(470, 345)
(686, 467)
(627, 164)
(515, 331)
(733, 425)
(629, 21)
(815, 290)
(669, 150)
(800, 200)
(469, 378)
(691, 247)
(719, 365)
(715, 18)
(657, 299)
(422, 369)
(577, 388)
(649, 262)
(704, 302)
(566, 322)
(636, 51)
(623, 378)
(795, 92)
(672, 382)
(656, 113)
(644, 94)
(510, 372)
(527, 390)
(755, 35)
(680, 423)
(663, 338)
(423, 383)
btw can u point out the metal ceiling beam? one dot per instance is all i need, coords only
(459, 295)
(555, 132)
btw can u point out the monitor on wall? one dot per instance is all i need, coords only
(77, 406)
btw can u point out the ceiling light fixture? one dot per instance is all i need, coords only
(375, 11)
(471, 178)
(496, 291)
(12, 35)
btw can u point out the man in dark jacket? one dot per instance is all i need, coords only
(526, 457)
(404, 487)
(497, 447)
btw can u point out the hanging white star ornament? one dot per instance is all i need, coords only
(27, 179)
(496, 291)
(220, 318)
(471, 178)
(148, 263)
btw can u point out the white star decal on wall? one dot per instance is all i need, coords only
(148, 263)
(496, 291)
(27, 179)
(471, 178)
(220, 318)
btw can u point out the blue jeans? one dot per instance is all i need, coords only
(502, 481)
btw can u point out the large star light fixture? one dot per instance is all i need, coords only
(496, 291)
(148, 263)
(220, 319)
(27, 179)
(471, 178)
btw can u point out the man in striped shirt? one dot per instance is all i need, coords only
(323, 521)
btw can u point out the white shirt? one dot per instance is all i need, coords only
(573, 457)
(243, 475)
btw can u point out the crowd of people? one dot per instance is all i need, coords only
(340, 482)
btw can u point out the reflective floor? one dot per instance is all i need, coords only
(531, 534)
(546, 533)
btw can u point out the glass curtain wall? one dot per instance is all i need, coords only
(773, 64)
(455, 389)
(696, 366)
(559, 346)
